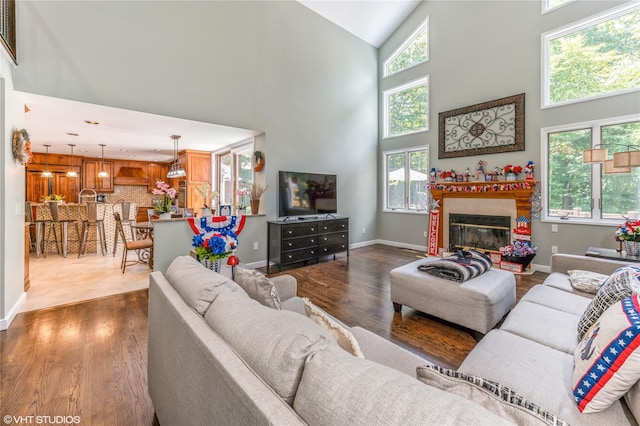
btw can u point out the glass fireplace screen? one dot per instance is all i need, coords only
(479, 232)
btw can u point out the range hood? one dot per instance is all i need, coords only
(131, 176)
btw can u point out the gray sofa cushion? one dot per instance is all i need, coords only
(561, 281)
(633, 400)
(274, 343)
(258, 287)
(339, 389)
(382, 351)
(557, 299)
(339, 331)
(587, 281)
(492, 395)
(198, 285)
(547, 326)
(539, 373)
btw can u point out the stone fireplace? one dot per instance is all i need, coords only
(479, 201)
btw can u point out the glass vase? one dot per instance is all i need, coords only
(632, 248)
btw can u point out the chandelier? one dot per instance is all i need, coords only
(176, 170)
(622, 161)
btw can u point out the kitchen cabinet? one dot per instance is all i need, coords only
(157, 172)
(90, 179)
(59, 183)
(197, 164)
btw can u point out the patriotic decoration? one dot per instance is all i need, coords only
(434, 226)
(480, 187)
(216, 236)
(607, 360)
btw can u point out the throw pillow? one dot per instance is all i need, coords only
(258, 287)
(607, 360)
(587, 281)
(198, 285)
(342, 336)
(491, 395)
(622, 283)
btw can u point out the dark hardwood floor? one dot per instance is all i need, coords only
(89, 359)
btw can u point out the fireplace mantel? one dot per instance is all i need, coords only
(520, 191)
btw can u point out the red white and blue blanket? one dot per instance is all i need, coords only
(459, 267)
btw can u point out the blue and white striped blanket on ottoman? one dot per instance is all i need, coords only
(459, 267)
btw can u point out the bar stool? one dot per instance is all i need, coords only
(38, 223)
(90, 218)
(50, 225)
(125, 210)
(61, 217)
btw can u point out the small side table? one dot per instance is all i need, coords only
(612, 254)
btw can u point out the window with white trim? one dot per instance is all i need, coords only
(406, 174)
(234, 175)
(414, 51)
(406, 108)
(583, 192)
(595, 57)
(548, 5)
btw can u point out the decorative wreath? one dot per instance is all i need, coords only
(21, 146)
(258, 161)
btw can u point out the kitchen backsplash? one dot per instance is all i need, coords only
(134, 193)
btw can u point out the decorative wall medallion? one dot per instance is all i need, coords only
(486, 128)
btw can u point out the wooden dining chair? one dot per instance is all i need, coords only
(142, 247)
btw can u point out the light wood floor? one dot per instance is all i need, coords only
(89, 359)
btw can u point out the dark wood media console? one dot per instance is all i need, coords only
(298, 241)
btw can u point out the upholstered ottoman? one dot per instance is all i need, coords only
(477, 304)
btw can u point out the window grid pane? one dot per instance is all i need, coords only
(414, 53)
(569, 180)
(418, 179)
(598, 60)
(407, 110)
(620, 192)
(395, 181)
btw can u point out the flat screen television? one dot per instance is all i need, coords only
(305, 194)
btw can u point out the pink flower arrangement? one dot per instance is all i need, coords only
(168, 194)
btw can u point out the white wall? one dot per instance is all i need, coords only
(485, 50)
(12, 182)
(273, 66)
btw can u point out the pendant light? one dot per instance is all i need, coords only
(47, 173)
(176, 170)
(102, 173)
(72, 172)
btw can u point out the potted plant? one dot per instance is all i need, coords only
(53, 198)
(208, 196)
(255, 192)
(519, 252)
(163, 205)
(242, 203)
(511, 172)
(213, 246)
(629, 234)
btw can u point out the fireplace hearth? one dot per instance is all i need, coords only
(478, 232)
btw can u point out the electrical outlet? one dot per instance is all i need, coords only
(363, 230)
(18, 209)
(255, 245)
(554, 249)
(554, 228)
(425, 234)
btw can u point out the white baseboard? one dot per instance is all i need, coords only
(11, 315)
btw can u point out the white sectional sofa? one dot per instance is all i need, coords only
(217, 356)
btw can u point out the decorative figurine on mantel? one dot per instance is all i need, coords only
(479, 173)
(467, 174)
(529, 169)
(433, 174)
